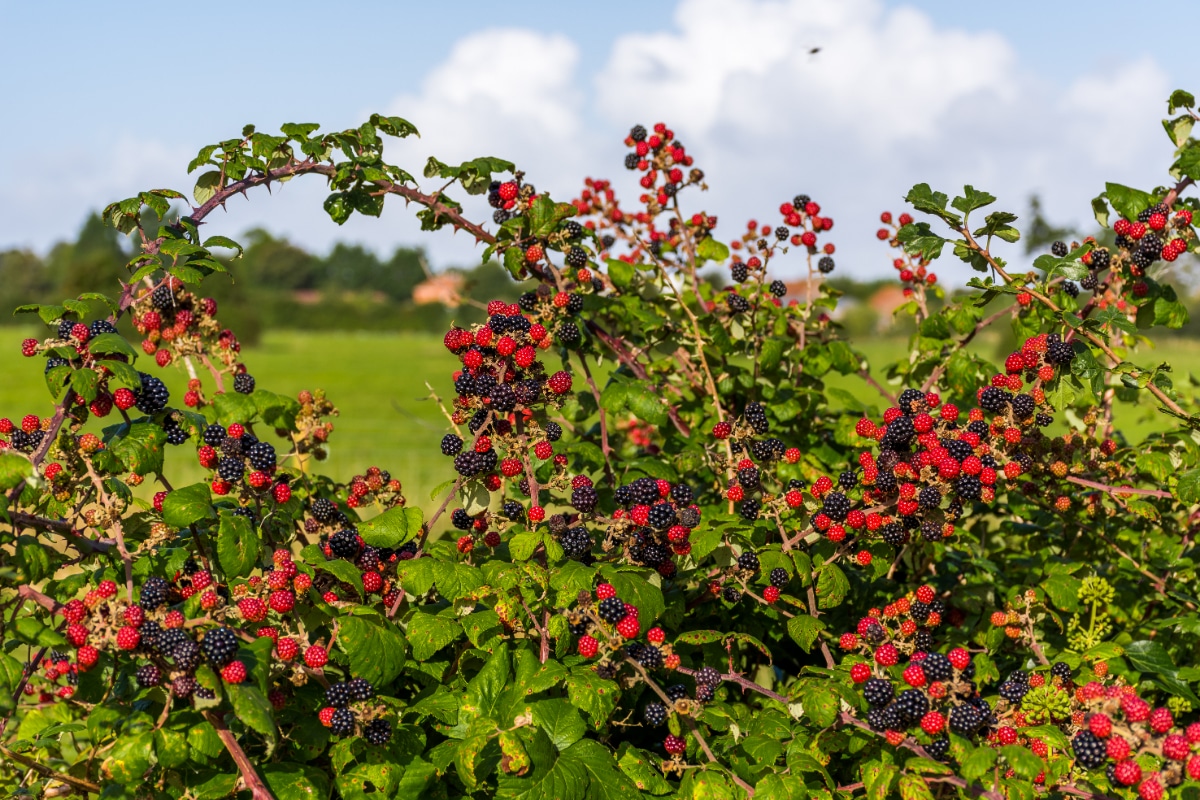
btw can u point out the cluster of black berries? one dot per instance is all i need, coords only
(238, 446)
(655, 522)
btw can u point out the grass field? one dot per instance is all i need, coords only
(378, 383)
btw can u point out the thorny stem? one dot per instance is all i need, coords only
(250, 777)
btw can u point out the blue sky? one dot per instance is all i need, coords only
(100, 104)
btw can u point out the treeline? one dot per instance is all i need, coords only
(275, 284)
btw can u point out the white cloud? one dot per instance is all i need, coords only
(890, 100)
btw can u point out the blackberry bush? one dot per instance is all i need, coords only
(701, 571)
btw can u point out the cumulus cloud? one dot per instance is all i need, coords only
(890, 100)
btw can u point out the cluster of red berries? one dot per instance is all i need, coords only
(240, 459)
(913, 269)
(376, 486)
(178, 323)
(1139, 746)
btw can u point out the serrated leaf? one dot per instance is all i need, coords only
(188, 504)
(804, 630)
(394, 527)
(376, 648)
(237, 545)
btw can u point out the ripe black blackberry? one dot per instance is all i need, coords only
(799, 484)
(186, 655)
(965, 720)
(153, 394)
(1059, 353)
(1101, 259)
(779, 578)
(899, 433)
(1089, 282)
(167, 640)
(748, 478)
(323, 511)
(1043, 420)
(451, 444)
(468, 463)
(749, 509)
(611, 610)
(1151, 243)
(55, 361)
(893, 534)
(676, 692)
(176, 435)
(885, 481)
(993, 399)
(378, 732)
(1013, 692)
(623, 495)
(1061, 670)
(778, 288)
(739, 272)
(631, 160)
(969, 487)
(568, 334)
(344, 544)
(938, 748)
(162, 297)
(577, 257)
(213, 435)
(836, 506)
(762, 450)
(528, 301)
(338, 695)
(644, 491)
(503, 398)
(584, 499)
(575, 303)
(1090, 750)
(148, 675)
(748, 561)
(736, 303)
(262, 456)
(682, 493)
(929, 497)
(825, 264)
(800, 201)
(655, 714)
(553, 431)
(607, 241)
(661, 516)
(878, 691)
(64, 328)
(1023, 406)
(637, 133)
(931, 531)
(912, 704)
(757, 417)
(649, 657)
(184, 685)
(709, 676)
(243, 383)
(342, 722)
(572, 229)
(219, 646)
(923, 641)
(1071, 288)
(360, 689)
(154, 593)
(460, 519)
(848, 479)
(513, 510)
(576, 543)
(1059, 249)
(877, 719)
(101, 326)
(231, 469)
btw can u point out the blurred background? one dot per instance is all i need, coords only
(849, 101)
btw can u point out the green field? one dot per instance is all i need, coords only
(378, 383)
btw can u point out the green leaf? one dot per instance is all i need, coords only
(646, 404)
(296, 781)
(484, 690)
(392, 528)
(711, 250)
(620, 272)
(429, 632)
(560, 720)
(188, 504)
(14, 469)
(804, 630)
(375, 647)
(1188, 487)
(252, 708)
(1126, 201)
(877, 779)
(771, 353)
(642, 769)
(605, 781)
(595, 696)
(919, 239)
(1022, 760)
(234, 407)
(237, 545)
(343, 570)
(139, 447)
(925, 199)
(914, 787)
(832, 586)
(455, 579)
(972, 199)
(978, 763)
